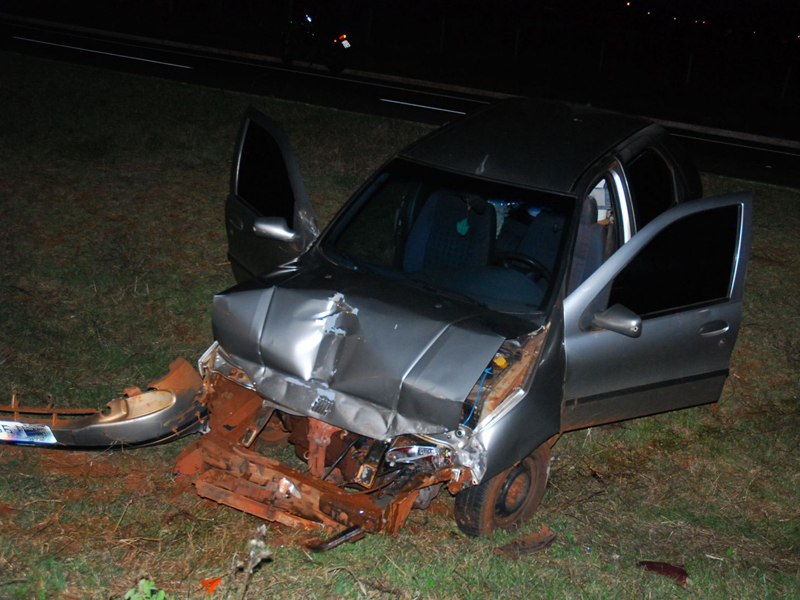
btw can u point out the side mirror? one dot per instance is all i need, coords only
(273, 228)
(619, 319)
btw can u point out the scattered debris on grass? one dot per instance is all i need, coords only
(349, 535)
(210, 584)
(676, 572)
(257, 554)
(530, 544)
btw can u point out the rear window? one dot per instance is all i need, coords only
(652, 186)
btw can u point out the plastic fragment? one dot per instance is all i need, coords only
(210, 584)
(676, 572)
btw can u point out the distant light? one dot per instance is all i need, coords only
(308, 18)
(628, 4)
(674, 18)
(648, 12)
(704, 22)
(695, 21)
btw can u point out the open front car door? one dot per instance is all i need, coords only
(653, 328)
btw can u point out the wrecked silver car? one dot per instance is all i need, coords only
(532, 269)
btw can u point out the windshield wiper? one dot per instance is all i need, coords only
(445, 292)
(343, 259)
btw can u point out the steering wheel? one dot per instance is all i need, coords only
(524, 264)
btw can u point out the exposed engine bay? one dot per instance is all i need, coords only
(339, 479)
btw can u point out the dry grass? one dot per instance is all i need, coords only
(111, 198)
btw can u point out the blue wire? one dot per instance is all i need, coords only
(487, 371)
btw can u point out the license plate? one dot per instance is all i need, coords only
(27, 433)
(345, 43)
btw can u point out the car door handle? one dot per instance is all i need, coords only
(713, 328)
(236, 221)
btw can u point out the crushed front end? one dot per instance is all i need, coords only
(379, 399)
(337, 479)
(340, 479)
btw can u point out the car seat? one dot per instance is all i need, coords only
(589, 247)
(542, 238)
(451, 233)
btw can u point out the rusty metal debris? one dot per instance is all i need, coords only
(530, 544)
(223, 470)
(676, 572)
(350, 535)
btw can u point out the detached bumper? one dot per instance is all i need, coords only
(167, 409)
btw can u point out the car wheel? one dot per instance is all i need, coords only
(505, 500)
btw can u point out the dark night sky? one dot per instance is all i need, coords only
(682, 58)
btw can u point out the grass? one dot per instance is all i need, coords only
(112, 243)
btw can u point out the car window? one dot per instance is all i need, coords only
(371, 237)
(690, 263)
(493, 243)
(652, 186)
(262, 180)
(598, 231)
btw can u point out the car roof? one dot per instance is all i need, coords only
(537, 144)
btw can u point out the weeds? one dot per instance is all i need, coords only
(257, 553)
(147, 590)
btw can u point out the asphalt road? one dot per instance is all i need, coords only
(728, 153)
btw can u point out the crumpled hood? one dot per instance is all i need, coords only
(367, 354)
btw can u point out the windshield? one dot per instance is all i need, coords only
(491, 243)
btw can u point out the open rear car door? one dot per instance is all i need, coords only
(268, 215)
(653, 328)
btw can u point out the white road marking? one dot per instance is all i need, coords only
(158, 62)
(458, 112)
(727, 133)
(702, 139)
(249, 63)
(671, 124)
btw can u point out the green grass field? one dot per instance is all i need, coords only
(112, 243)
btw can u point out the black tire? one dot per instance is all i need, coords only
(505, 500)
